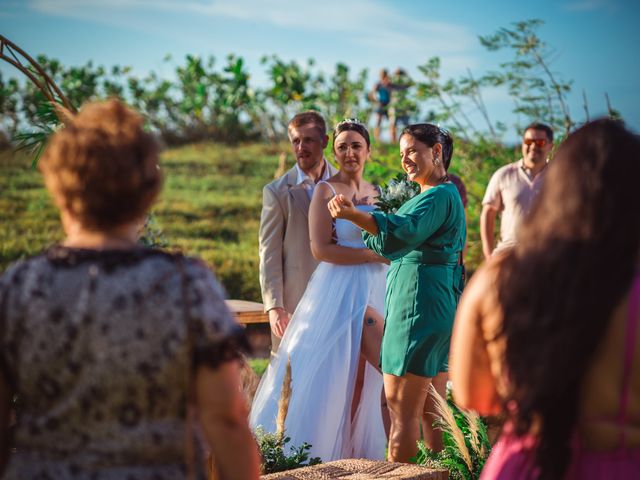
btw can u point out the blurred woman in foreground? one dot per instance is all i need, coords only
(106, 343)
(548, 333)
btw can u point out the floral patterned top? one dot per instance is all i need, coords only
(97, 347)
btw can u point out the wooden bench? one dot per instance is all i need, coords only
(247, 312)
(360, 470)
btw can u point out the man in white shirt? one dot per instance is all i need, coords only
(513, 189)
(286, 262)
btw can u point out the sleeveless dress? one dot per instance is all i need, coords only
(513, 457)
(323, 343)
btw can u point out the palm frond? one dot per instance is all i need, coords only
(48, 121)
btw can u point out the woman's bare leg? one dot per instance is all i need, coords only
(370, 349)
(357, 388)
(433, 436)
(406, 398)
(373, 326)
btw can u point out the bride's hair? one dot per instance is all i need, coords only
(352, 124)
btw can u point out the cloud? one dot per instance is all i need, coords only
(589, 5)
(364, 22)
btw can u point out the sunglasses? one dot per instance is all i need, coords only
(541, 142)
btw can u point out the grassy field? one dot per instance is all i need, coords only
(211, 201)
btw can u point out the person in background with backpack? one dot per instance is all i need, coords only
(381, 94)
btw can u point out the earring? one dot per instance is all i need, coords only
(436, 161)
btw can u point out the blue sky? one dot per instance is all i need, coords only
(596, 41)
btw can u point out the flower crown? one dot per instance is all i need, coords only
(354, 121)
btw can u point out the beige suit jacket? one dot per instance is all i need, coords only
(286, 262)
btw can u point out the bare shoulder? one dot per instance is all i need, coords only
(325, 189)
(483, 292)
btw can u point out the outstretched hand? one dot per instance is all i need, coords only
(341, 207)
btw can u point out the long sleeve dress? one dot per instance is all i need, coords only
(424, 241)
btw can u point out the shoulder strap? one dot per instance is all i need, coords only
(630, 342)
(330, 186)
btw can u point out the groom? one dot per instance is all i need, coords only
(286, 262)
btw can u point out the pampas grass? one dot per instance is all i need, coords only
(276, 455)
(448, 424)
(283, 403)
(465, 440)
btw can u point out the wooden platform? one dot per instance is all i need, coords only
(352, 469)
(248, 312)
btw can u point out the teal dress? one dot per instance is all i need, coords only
(424, 241)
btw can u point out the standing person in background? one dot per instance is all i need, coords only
(286, 262)
(109, 345)
(548, 333)
(513, 189)
(381, 95)
(401, 106)
(424, 241)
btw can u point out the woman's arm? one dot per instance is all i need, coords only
(474, 385)
(395, 235)
(341, 207)
(320, 232)
(222, 410)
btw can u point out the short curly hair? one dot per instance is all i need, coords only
(102, 167)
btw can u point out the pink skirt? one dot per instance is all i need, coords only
(513, 457)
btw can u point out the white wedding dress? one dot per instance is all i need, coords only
(323, 342)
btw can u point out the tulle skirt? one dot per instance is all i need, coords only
(323, 342)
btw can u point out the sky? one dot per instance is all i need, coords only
(594, 42)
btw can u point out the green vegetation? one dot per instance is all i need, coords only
(277, 456)
(211, 201)
(211, 100)
(259, 365)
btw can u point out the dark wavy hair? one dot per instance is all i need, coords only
(351, 124)
(430, 134)
(574, 262)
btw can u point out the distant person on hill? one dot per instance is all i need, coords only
(548, 332)
(286, 262)
(107, 345)
(381, 95)
(401, 105)
(513, 189)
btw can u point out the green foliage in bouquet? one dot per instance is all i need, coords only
(465, 438)
(275, 459)
(152, 235)
(396, 192)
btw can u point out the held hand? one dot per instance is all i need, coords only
(341, 207)
(375, 258)
(278, 319)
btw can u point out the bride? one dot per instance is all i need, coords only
(338, 319)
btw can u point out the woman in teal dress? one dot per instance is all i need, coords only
(424, 241)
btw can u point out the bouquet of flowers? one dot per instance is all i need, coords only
(398, 191)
